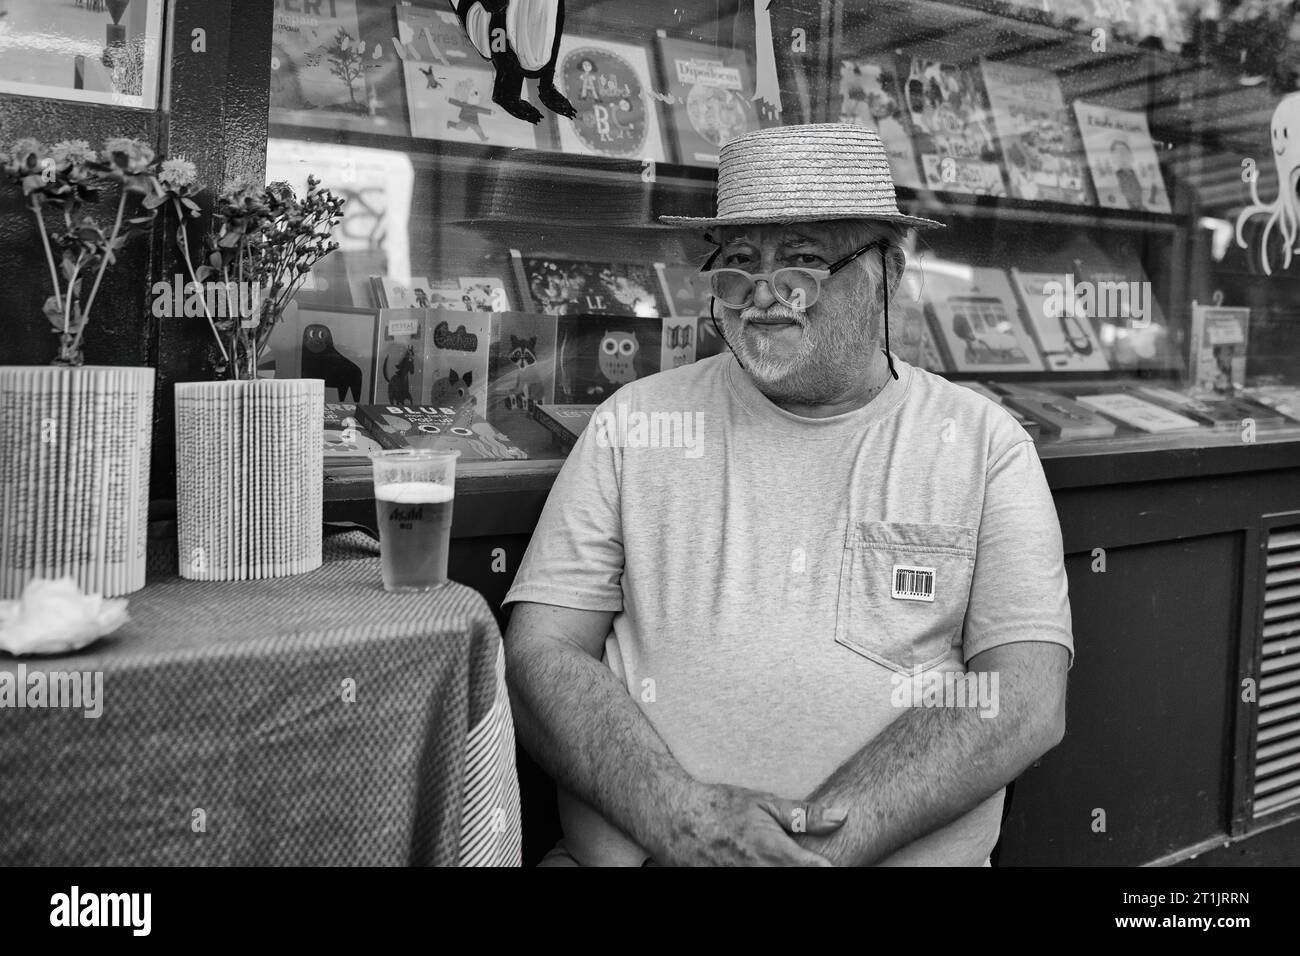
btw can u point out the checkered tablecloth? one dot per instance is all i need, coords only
(310, 720)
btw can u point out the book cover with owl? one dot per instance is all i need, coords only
(399, 357)
(456, 350)
(712, 90)
(560, 286)
(870, 95)
(609, 84)
(953, 126)
(598, 354)
(336, 345)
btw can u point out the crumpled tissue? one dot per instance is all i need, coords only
(54, 617)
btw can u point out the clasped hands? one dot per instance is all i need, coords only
(724, 825)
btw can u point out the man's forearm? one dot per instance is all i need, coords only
(583, 727)
(926, 769)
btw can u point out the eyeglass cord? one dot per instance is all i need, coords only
(884, 277)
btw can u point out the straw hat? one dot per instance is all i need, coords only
(804, 174)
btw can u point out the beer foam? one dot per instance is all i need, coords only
(413, 492)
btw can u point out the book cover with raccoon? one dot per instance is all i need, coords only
(456, 348)
(598, 354)
(521, 374)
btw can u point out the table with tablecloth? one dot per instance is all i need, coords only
(307, 720)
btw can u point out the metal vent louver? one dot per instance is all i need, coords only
(1277, 735)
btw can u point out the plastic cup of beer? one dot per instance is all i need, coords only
(414, 492)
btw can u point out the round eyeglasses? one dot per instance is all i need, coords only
(794, 286)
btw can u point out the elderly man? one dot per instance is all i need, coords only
(833, 626)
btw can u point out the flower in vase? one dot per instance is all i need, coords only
(178, 174)
(72, 152)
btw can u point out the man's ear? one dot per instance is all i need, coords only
(896, 261)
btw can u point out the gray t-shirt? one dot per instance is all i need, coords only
(774, 577)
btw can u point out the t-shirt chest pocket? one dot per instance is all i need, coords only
(903, 591)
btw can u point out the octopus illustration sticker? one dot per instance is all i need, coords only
(1284, 211)
(608, 84)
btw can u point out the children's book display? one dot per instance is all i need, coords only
(1043, 153)
(1218, 348)
(565, 423)
(324, 66)
(347, 444)
(444, 429)
(336, 345)
(609, 84)
(559, 286)
(954, 133)
(1059, 416)
(521, 374)
(870, 95)
(1031, 427)
(399, 357)
(979, 323)
(598, 354)
(1059, 322)
(1130, 410)
(448, 86)
(1122, 158)
(710, 90)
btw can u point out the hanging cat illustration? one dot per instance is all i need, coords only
(523, 356)
(320, 359)
(522, 39)
(399, 383)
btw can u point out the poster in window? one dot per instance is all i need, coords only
(88, 52)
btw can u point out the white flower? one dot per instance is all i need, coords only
(178, 173)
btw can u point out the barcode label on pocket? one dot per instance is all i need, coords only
(912, 583)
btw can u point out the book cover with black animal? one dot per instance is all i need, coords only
(598, 354)
(337, 345)
(399, 356)
(440, 428)
(456, 351)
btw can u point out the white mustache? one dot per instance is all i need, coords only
(753, 313)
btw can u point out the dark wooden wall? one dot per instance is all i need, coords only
(213, 113)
